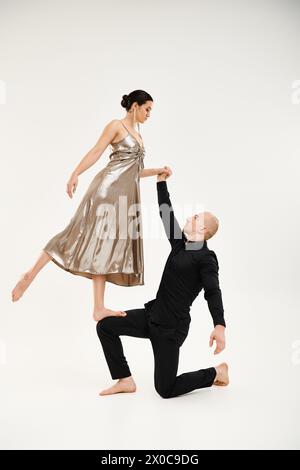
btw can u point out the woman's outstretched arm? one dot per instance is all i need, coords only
(151, 172)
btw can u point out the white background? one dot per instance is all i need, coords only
(224, 117)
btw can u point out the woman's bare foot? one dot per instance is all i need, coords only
(222, 377)
(126, 385)
(21, 286)
(99, 314)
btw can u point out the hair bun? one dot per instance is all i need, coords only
(125, 101)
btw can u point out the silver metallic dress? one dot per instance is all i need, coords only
(105, 234)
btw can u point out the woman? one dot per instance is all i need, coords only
(97, 243)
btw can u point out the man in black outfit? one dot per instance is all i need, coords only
(165, 320)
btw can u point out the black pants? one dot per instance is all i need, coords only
(165, 342)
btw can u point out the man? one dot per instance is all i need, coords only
(165, 320)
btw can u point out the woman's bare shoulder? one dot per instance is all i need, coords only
(113, 124)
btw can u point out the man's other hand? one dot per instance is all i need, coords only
(218, 335)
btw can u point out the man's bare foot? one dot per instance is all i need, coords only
(99, 314)
(126, 385)
(21, 286)
(222, 377)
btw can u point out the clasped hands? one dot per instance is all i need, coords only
(164, 173)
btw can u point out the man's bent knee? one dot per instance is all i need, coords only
(164, 392)
(103, 325)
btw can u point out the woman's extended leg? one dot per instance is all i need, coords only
(28, 277)
(100, 311)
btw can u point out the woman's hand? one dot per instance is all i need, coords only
(72, 185)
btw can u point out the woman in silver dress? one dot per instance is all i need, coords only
(103, 240)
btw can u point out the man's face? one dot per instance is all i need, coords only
(194, 226)
(201, 226)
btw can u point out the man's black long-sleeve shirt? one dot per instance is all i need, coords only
(190, 267)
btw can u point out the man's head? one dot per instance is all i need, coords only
(201, 226)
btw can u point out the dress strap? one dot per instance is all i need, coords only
(124, 126)
(127, 129)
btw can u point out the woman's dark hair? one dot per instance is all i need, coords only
(139, 96)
